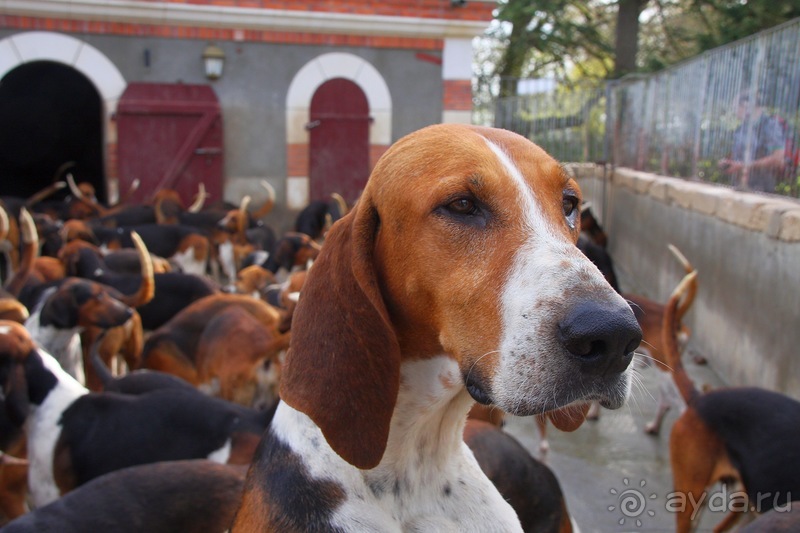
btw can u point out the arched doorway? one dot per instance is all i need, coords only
(339, 140)
(309, 78)
(52, 118)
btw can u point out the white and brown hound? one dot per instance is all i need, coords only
(455, 278)
(193, 496)
(63, 309)
(75, 435)
(739, 436)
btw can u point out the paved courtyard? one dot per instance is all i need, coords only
(607, 464)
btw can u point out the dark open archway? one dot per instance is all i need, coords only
(52, 123)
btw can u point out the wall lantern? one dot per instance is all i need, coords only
(214, 60)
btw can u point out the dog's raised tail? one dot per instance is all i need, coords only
(30, 251)
(692, 291)
(672, 319)
(268, 204)
(199, 200)
(147, 288)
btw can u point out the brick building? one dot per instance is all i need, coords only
(310, 95)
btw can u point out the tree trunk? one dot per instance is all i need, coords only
(627, 43)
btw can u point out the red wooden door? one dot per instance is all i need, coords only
(170, 136)
(339, 143)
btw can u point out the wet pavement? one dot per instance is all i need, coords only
(614, 476)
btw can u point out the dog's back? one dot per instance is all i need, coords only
(761, 433)
(188, 496)
(161, 425)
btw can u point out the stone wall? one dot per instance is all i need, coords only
(746, 248)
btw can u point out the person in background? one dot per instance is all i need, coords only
(757, 159)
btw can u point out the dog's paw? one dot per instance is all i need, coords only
(544, 447)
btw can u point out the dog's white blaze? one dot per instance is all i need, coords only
(525, 194)
(44, 429)
(544, 268)
(222, 455)
(530, 369)
(428, 479)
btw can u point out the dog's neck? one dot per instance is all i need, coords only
(47, 379)
(63, 343)
(428, 479)
(429, 416)
(427, 425)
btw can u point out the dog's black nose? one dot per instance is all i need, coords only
(602, 337)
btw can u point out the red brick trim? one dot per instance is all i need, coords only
(297, 159)
(440, 9)
(457, 95)
(111, 165)
(215, 34)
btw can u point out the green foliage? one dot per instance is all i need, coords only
(730, 20)
(575, 39)
(551, 36)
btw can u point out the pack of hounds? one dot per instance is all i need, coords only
(170, 368)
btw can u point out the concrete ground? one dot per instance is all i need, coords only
(609, 463)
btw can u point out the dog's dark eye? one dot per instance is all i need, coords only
(569, 204)
(463, 206)
(465, 210)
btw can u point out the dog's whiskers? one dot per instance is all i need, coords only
(469, 372)
(519, 400)
(633, 304)
(636, 381)
(651, 359)
(647, 344)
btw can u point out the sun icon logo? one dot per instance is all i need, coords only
(632, 502)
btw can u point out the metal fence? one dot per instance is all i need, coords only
(729, 116)
(568, 122)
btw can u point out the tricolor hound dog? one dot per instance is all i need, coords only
(194, 496)
(743, 435)
(455, 278)
(67, 307)
(75, 435)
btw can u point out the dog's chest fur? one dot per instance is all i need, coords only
(428, 479)
(44, 428)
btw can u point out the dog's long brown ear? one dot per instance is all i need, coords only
(15, 347)
(15, 396)
(343, 366)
